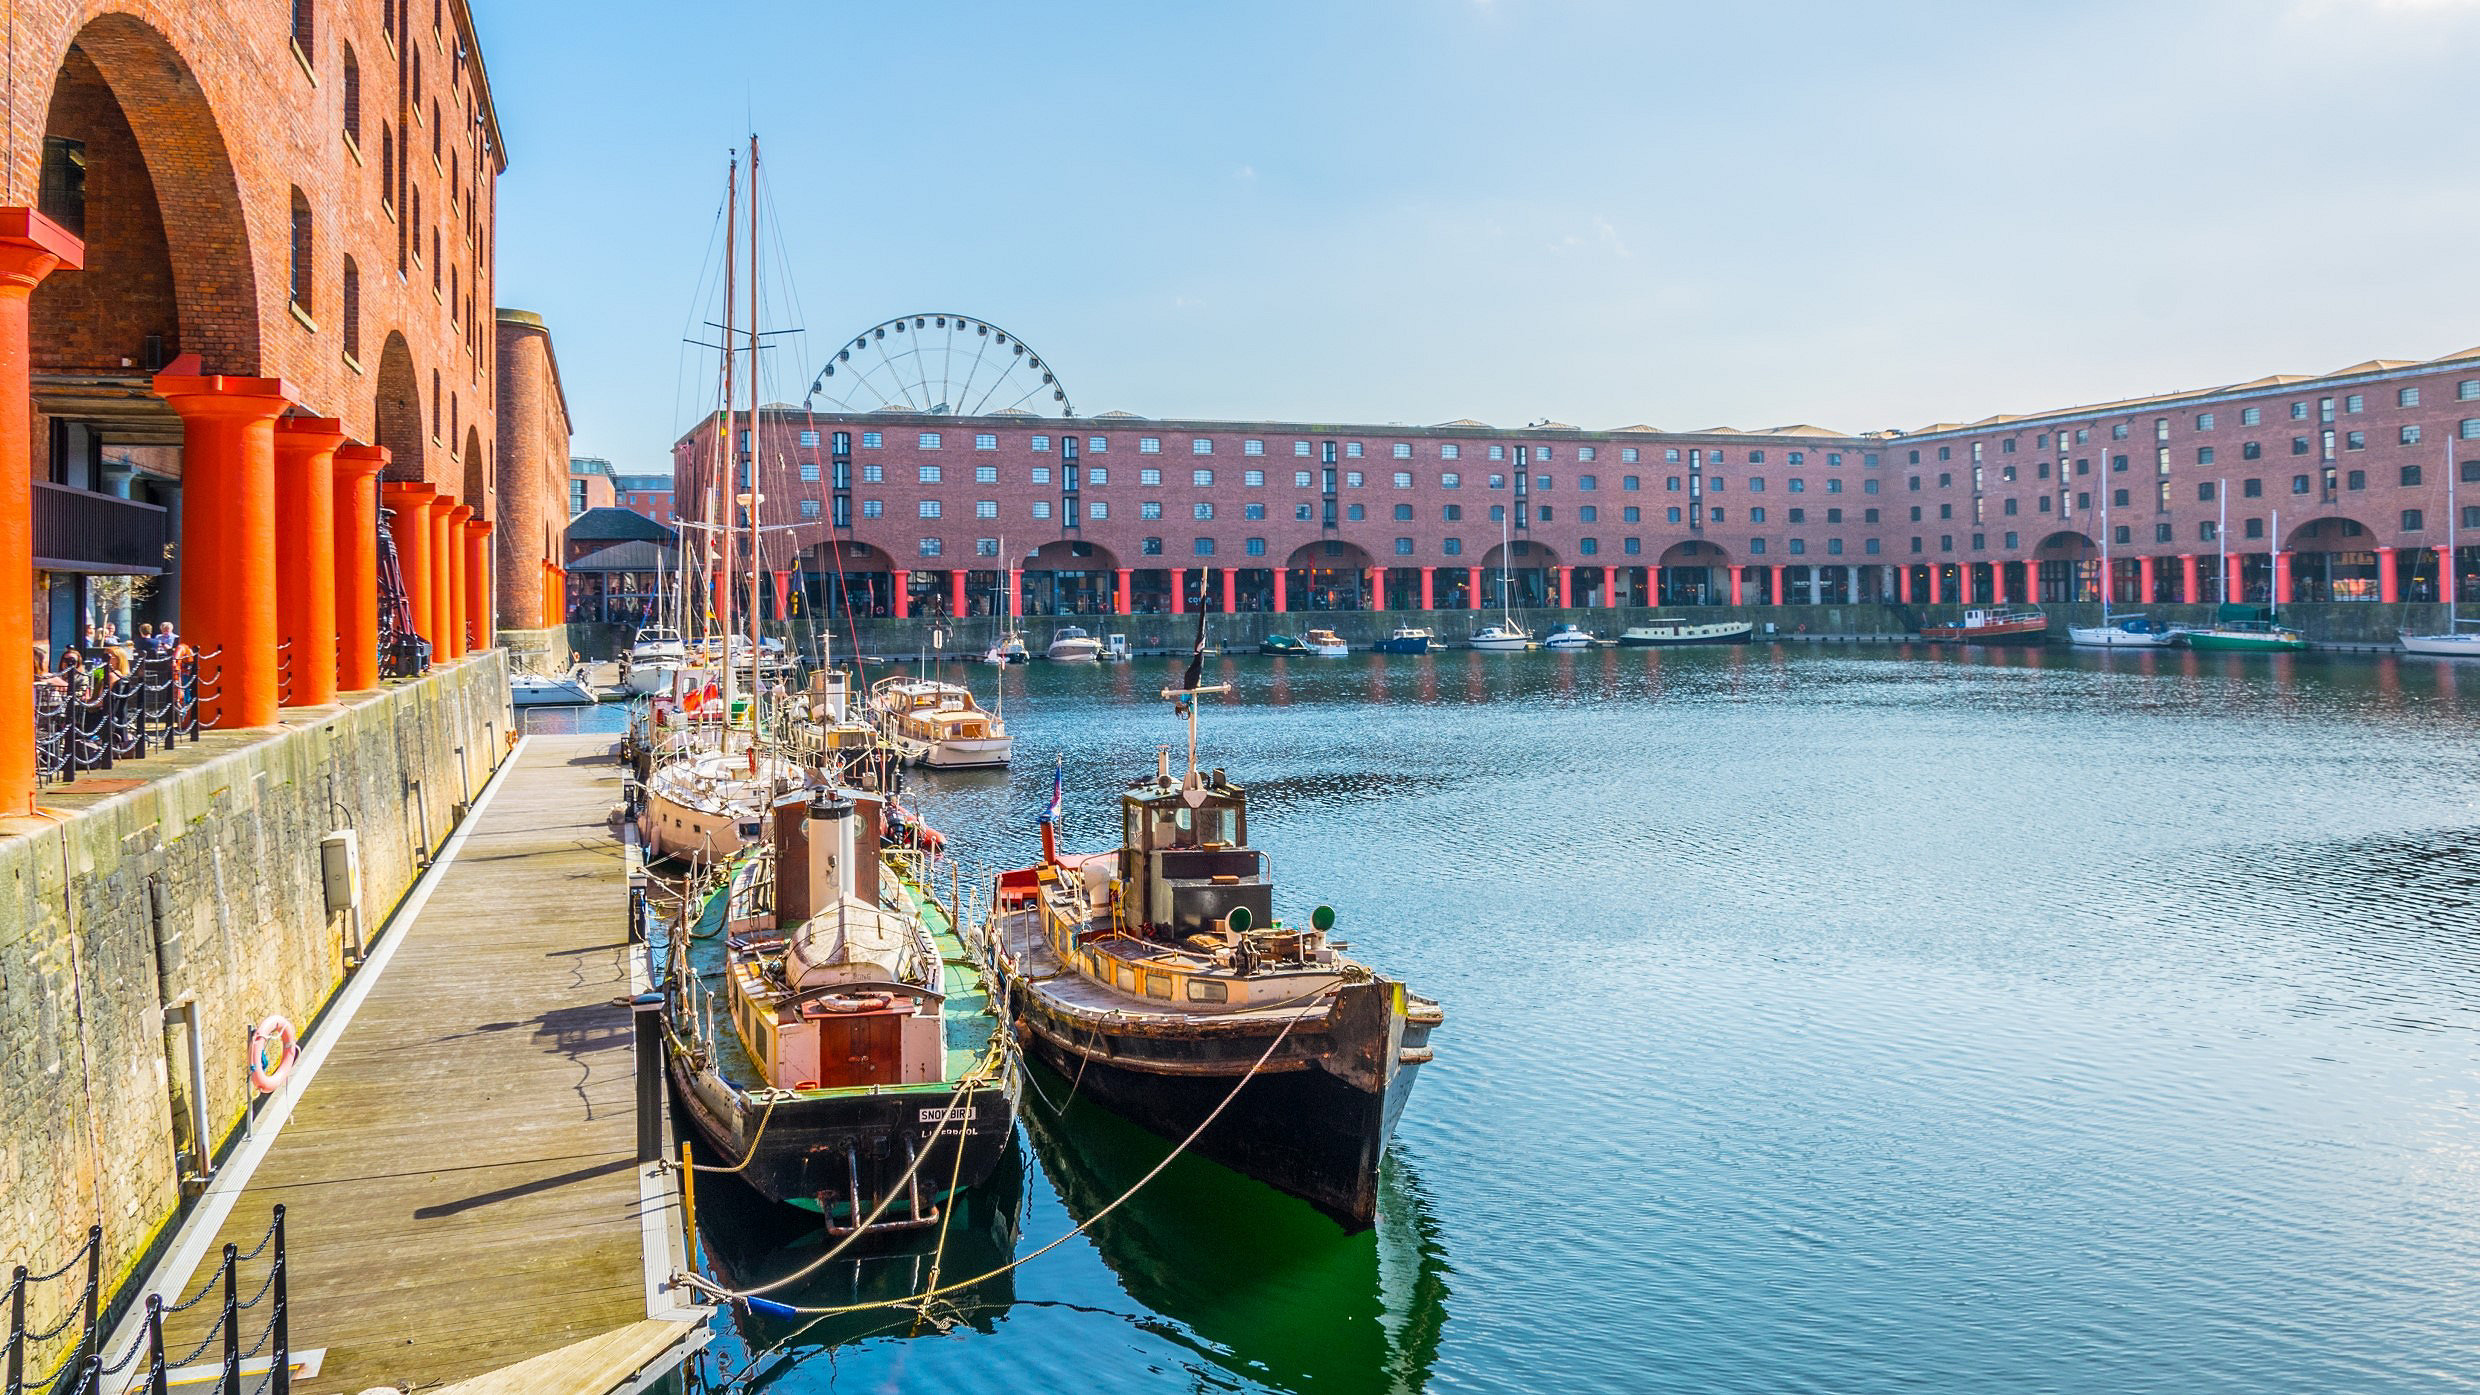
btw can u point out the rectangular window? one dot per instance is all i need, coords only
(1403, 479)
(985, 547)
(2299, 484)
(929, 547)
(1151, 508)
(929, 508)
(1203, 479)
(1201, 445)
(1041, 508)
(870, 440)
(1149, 476)
(1300, 449)
(1353, 450)
(1403, 547)
(1097, 445)
(2409, 435)
(929, 474)
(809, 438)
(873, 508)
(1256, 547)
(2411, 474)
(2204, 421)
(1203, 511)
(1631, 514)
(1450, 480)
(1096, 508)
(1205, 547)
(1352, 479)
(1671, 515)
(1402, 450)
(1254, 479)
(2251, 489)
(2469, 430)
(985, 440)
(1585, 454)
(2413, 520)
(2357, 479)
(1252, 448)
(1450, 451)
(1627, 455)
(929, 440)
(1541, 452)
(1303, 513)
(1498, 452)
(2355, 440)
(1097, 474)
(2204, 455)
(809, 508)
(1253, 512)
(1588, 482)
(809, 470)
(2355, 403)
(985, 474)
(1149, 445)
(1042, 445)
(985, 508)
(1300, 479)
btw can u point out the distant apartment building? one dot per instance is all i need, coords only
(2325, 488)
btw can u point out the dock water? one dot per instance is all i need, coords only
(460, 1177)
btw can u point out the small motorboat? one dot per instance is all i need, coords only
(1010, 649)
(1115, 649)
(1072, 645)
(654, 656)
(1407, 639)
(1281, 644)
(1567, 637)
(2121, 632)
(1992, 627)
(1664, 632)
(939, 725)
(1325, 644)
(1507, 638)
(548, 690)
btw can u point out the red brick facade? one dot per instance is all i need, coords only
(1612, 507)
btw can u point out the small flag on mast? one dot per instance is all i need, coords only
(1050, 812)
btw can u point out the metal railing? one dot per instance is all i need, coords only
(112, 717)
(84, 1369)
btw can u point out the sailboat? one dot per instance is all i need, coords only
(2247, 629)
(2125, 631)
(2457, 642)
(1506, 636)
(1157, 976)
(711, 773)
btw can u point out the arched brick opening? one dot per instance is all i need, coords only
(1329, 574)
(397, 408)
(2333, 558)
(477, 474)
(1693, 572)
(170, 256)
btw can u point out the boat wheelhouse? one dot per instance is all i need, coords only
(938, 725)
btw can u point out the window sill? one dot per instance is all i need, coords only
(304, 60)
(388, 207)
(353, 148)
(302, 315)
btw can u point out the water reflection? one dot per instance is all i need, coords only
(1263, 1286)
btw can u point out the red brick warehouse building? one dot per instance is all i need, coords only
(246, 294)
(905, 511)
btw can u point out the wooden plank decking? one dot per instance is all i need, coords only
(459, 1180)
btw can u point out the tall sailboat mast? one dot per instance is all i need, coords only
(719, 518)
(2221, 535)
(756, 472)
(2273, 569)
(2445, 574)
(2109, 581)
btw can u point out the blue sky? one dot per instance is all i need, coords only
(1862, 215)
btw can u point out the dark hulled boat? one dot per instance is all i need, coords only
(1158, 979)
(827, 1024)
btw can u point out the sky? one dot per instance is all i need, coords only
(1862, 214)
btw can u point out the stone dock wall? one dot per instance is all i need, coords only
(2352, 623)
(204, 882)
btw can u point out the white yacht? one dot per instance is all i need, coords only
(1325, 644)
(548, 690)
(654, 656)
(2121, 632)
(2459, 644)
(1567, 637)
(1508, 637)
(1073, 646)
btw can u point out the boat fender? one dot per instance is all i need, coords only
(273, 1049)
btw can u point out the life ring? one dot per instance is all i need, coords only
(805, 1085)
(267, 1072)
(856, 1002)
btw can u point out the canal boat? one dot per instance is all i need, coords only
(828, 1032)
(1663, 631)
(1992, 627)
(2121, 632)
(1568, 637)
(2245, 629)
(1072, 645)
(1157, 978)
(2458, 644)
(1325, 644)
(938, 725)
(1281, 644)
(1407, 639)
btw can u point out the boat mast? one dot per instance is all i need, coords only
(2445, 574)
(2273, 571)
(2108, 580)
(757, 690)
(719, 576)
(2221, 535)
(1506, 552)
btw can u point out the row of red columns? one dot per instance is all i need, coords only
(279, 564)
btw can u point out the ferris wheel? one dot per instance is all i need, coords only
(947, 364)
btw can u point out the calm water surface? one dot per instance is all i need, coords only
(1846, 1020)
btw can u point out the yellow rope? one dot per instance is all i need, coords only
(773, 1098)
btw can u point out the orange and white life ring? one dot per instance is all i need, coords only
(269, 1068)
(856, 1002)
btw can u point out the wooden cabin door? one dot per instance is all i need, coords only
(861, 1049)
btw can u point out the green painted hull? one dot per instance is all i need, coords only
(2243, 642)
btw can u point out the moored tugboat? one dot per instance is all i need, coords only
(829, 1031)
(1158, 978)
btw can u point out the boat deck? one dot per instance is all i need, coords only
(459, 1178)
(1021, 939)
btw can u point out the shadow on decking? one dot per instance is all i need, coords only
(480, 1199)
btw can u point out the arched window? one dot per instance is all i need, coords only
(301, 252)
(352, 96)
(352, 309)
(304, 16)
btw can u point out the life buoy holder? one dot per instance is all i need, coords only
(268, 1068)
(856, 1002)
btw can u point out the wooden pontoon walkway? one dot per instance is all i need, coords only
(459, 1179)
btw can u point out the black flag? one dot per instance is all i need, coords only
(1197, 659)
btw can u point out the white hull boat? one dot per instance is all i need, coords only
(2462, 644)
(1504, 639)
(548, 690)
(1325, 644)
(2125, 632)
(1073, 646)
(1567, 637)
(938, 725)
(710, 805)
